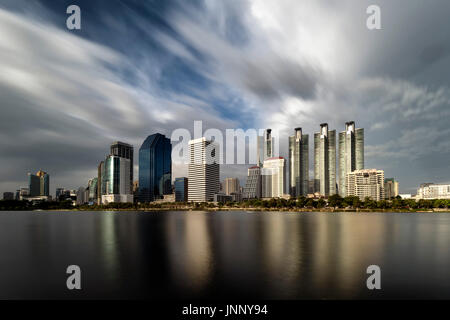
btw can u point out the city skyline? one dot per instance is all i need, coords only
(266, 65)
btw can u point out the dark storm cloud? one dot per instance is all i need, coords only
(136, 68)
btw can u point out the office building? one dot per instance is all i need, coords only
(231, 185)
(100, 188)
(431, 191)
(116, 179)
(92, 188)
(155, 168)
(203, 170)
(39, 184)
(181, 189)
(366, 183)
(390, 188)
(273, 175)
(8, 195)
(325, 161)
(252, 187)
(298, 163)
(351, 153)
(268, 144)
(124, 150)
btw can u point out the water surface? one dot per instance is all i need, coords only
(189, 255)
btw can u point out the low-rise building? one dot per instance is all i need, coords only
(433, 191)
(366, 183)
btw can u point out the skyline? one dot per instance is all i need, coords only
(237, 64)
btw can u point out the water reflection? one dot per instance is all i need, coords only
(166, 255)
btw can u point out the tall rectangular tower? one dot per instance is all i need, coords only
(155, 168)
(124, 150)
(298, 163)
(325, 161)
(203, 170)
(351, 153)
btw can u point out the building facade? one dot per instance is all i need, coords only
(8, 195)
(155, 168)
(298, 163)
(124, 150)
(231, 185)
(116, 177)
(325, 161)
(39, 184)
(181, 189)
(203, 170)
(433, 191)
(390, 188)
(351, 153)
(366, 183)
(252, 187)
(268, 144)
(273, 175)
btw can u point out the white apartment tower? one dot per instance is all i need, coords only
(325, 161)
(273, 175)
(366, 183)
(203, 170)
(351, 153)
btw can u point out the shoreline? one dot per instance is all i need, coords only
(289, 210)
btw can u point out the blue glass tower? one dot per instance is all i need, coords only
(155, 168)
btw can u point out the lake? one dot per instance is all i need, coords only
(216, 255)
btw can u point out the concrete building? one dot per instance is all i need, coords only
(366, 183)
(351, 153)
(273, 176)
(325, 161)
(231, 185)
(390, 188)
(203, 170)
(298, 164)
(433, 191)
(221, 197)
(124, 150)
(252, 187)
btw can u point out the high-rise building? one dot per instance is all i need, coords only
(39, 184)
(8, 195)
(273, 175)
(181, 189)
(433, 191)
(203, 170)
(116, 180)
(124, 150)
(366, 183)
(268, 144)
(298, 163)
(252, 187)
(155, 168)
(92, 187)
(231, 185)
(100, 188)
(325, 161)
(351, 153)
(59, 193)
(390, 188)
(81, 195)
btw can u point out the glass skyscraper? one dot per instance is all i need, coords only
(115, 176)
(39, 184)
(155, 168)
(298, 163)
(325, 161)
(351, 153)
(181, 189)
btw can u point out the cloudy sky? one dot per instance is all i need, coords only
(136, 68)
